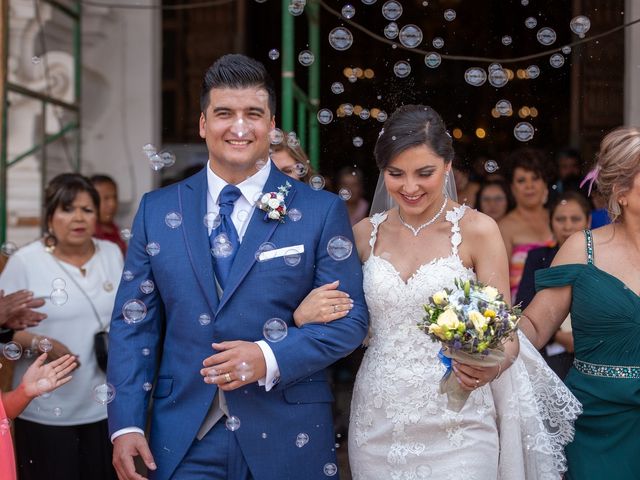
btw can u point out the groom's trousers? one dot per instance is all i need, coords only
(216, 457)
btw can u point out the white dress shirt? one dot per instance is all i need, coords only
(243, 208)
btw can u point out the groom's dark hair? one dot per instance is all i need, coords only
(236, 71)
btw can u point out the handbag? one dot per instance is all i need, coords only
(100, 339)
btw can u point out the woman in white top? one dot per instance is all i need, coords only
(64, 435)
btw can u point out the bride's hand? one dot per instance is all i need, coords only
(471, 377)
(323, 304)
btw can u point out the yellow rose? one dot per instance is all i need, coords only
(449, 320)
(479, 322)
(440, 298)
(438, 331)
(490, 292)
(489, 313)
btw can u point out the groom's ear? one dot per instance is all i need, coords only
(203, 125)
(273, 122)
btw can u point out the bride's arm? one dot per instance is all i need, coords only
(483, 247)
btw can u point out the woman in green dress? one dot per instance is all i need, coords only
(595, 277)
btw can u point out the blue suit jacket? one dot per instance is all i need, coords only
(256, 291)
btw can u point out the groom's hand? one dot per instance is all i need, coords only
(238, 363)
(125, 448)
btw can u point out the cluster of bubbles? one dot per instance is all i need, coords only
(8, 248)
(58, 295)
(158, 160)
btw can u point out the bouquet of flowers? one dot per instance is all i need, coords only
(472, 321)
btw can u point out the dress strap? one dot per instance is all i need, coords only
(376, 219)
(589, 239)
(454, 217)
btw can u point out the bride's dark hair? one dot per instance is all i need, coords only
(412, 126)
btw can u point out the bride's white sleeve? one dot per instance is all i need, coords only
(535, 413)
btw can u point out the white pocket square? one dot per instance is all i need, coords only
(281, 252)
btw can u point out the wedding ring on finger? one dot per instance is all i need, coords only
(227, 377)
(335, 309)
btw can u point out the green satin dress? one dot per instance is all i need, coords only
(605, 317)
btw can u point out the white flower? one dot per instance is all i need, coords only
(490, 292)
(265, 198)
(273, 203)
(274, 215)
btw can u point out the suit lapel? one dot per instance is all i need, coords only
(258, 232)
(193, 207)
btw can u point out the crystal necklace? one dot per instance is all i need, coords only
(416, 231)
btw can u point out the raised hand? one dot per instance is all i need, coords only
(16, 310)
(43, 377)
(323, 304)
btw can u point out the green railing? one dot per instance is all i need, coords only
(299, 108)
(74, 14)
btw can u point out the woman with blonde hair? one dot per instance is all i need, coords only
(291, 160)
(594, 277)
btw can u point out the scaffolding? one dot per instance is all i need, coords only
(70, 9)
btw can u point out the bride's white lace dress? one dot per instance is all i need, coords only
(400, 429)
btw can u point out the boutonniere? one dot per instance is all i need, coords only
(273, 203)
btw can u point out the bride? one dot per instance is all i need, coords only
(518, 417)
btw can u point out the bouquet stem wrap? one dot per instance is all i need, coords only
(449, 386)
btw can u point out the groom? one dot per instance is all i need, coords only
(239, 391)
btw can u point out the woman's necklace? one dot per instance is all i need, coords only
(416, 231)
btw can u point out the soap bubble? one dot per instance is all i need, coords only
(449, 14)
(410, 36)
(566, 49)
(317, 182)
(506, 40)
(524, 3)
(365, 114)
(274, 54)
(36, 60)
(357, 142)
(12, 351)
(43, 387)
(104, 393)
(523, 131)
(330, 469)
(504, 107)
(232, 423)
(45, 345)
(432, 60)
(402, 69)
(580, 25)
(369, 2)
(168, 159)
(221, 246)
(391, 10)
(134, 311)
(292, 257)
(423, 471)
(156, 162)
(173, 219)
(276, 136)
(337, 88)
(126, 234)
(147, 386)
(556, 60)
(147, 287)
(296, 8)
(382, 116)
(153, 248)
(475, 76)
(546, 36)
(391, 30)
(8, 248)
(530, 22)
(340, 38)
(533, 71)
(339, 248)
(244, 371)
(344, 194)
(491, 166)
(301, 440)
(149, 150)
(57, 411)
(58, 284)
(59, 297)
(204, 319)
(274, 330)
(127, 275)
(348, 109)
(498, 77)
(265, 247)
(306, 58)
(292, 140)
(325, 116)
(348, 11)
(437, 42)
(300, 169)
(294, 215)
(146, 352)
